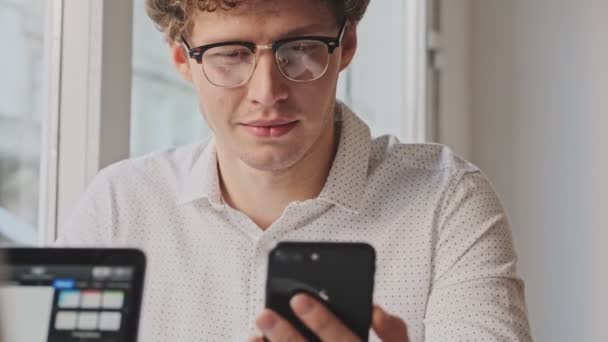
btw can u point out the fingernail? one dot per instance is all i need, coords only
(266, 322)
(301, 304)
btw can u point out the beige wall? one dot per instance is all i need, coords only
(535, 115)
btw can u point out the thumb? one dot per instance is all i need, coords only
(389, 328)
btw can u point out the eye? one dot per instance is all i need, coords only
(304, 46)
(229, 54)
(235, 53)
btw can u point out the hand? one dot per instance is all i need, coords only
(325, 324)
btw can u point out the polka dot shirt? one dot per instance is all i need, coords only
(445, 257)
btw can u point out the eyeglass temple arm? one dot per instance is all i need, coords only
(185, 42)
(342, 30)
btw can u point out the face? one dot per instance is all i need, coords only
(270, 123)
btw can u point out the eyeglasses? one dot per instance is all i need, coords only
(300, 59)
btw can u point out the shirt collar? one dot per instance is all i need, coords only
(202, 180)
(344, 184)
(348, 174)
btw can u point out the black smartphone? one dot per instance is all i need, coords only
(341, 275)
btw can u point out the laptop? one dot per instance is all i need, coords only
(69, 295)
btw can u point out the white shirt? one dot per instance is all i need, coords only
(445, 258)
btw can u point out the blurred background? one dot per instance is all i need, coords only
(519, 87)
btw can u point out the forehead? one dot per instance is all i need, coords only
(263, 21)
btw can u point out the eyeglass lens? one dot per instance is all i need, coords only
(233, 65)
(303, 60)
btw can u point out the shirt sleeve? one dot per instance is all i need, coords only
(91, 222)
(476, 293)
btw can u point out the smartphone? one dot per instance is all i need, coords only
(341, 275)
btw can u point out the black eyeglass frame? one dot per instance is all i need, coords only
(197, 53)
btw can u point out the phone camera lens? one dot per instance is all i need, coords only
(281, 256)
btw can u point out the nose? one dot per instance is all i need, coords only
(267, 86)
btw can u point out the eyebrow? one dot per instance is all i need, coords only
(307, 30)
(302, 30)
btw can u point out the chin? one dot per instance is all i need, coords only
(273, 163)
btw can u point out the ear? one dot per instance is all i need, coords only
(180, 58)
(349, 45)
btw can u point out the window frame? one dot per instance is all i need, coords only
(47, 200)
(416, 88)
(93, 97)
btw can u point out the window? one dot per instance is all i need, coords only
(22, 102)
(164, 109)
(385, 84)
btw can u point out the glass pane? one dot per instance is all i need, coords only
(377, 76)
(22, 87)
(164, 109)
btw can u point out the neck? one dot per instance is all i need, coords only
(265, 199)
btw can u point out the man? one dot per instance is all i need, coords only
(288, 162)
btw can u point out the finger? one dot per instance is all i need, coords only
(389, 328)
(320, 320)
(276, 328)
(256, 339)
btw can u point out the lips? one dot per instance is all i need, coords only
(270, 128)
(269, 123)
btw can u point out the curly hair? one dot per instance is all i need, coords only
(174, 17)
